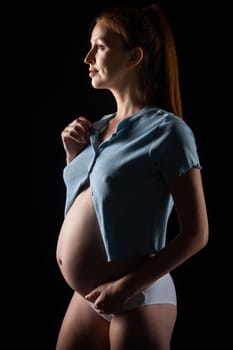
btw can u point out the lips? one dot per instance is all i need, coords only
(92, 72)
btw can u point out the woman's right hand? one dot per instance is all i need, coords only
(75, 137)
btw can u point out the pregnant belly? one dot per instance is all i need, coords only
(80, 251)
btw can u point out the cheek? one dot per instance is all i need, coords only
(115, 66)
(111, 62)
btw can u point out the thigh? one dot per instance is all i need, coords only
(82, 328)
(147, 327)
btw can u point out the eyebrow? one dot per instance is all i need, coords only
(98, 38)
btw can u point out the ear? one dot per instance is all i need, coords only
(135, 57)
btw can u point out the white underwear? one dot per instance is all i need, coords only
(161, 292)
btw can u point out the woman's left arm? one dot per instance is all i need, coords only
(190, 206)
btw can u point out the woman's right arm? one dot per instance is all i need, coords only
(75, 137)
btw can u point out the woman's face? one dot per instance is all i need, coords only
(107, 58)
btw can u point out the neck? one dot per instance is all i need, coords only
(125, 110)
(127, 102)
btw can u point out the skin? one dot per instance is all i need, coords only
(110, 285)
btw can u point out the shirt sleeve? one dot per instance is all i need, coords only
(176, 151)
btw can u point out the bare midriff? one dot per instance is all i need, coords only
(81, 254)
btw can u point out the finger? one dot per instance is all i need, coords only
(92, 296)
(71, 133)
(82, 127)
(85, 120)
(78, 130)
(99, 304)
(81, 122)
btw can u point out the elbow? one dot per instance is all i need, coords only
(205, 240)
(198, 238)
(201, 231)
(206, 237)
(203, 237)
(204, 231)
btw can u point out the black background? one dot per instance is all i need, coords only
(48, 86)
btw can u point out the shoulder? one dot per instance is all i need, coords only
(173, 125)
(162, 117)
(170, 134)
(166, 122)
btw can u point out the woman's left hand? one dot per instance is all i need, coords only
(109, 297)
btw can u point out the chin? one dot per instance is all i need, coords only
(98, 85)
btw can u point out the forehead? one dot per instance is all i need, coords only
(103, 32)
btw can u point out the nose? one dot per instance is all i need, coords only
(89, 59)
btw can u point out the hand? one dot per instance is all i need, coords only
(75, 137)
(109, 297)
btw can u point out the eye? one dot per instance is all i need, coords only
(100, 47)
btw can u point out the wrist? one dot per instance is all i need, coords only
(69, 158)
(130, 285)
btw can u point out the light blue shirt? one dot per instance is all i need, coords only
(129, 175)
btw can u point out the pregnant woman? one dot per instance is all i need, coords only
(125, 173)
